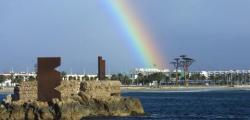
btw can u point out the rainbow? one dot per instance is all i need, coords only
(136, 32)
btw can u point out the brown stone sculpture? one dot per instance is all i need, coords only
(48, 78)
(101, 68)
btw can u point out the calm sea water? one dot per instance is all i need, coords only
(2, 97)
(221, 105)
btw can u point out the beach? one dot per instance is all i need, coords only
(10, 90)
(189, 105)
(182, 88)
(7, 90)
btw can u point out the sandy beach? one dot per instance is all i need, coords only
(7, 90)
(183, 89)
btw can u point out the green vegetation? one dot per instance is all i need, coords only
(72, 78)
(31, 78)
(145, 80)
(124, 79)
(17, 79)
(197, 76)
(86, 78)
(142, 79)
(63, 75)
(2, 78)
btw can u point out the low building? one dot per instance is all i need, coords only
(7, 83)
(147, 71)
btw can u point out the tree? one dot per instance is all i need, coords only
(120, 76)
(167, 79)
(114, 77)
(2, 78)
(150, 78)
(63, 75)
(17, 79)
(140, 78)
(72, 78)
(203, 77)
(197, 76)
(32, 78)
(157, 77)
(126, 80)
(85, 77)
(107, 78)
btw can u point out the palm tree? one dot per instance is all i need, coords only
(177, 65)
(2, 78)
(114, 77)
(86, 77)
(140, 77)
(63, 75)
(32, 78)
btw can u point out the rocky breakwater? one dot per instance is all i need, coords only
(79, 100)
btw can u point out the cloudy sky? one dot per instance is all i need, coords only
(214, 32)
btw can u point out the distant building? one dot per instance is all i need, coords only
(147, 71)
(7, 83)
(81, 77)
(24, 76)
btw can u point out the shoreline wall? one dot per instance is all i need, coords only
(27, 91)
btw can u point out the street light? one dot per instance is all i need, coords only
(176, 64)
(186, 63)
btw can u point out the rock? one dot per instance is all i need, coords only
(85, 97)
(73, 109)
(26, 91)
(69, 87)
(94, 99)
(101, 89)
(8, 99)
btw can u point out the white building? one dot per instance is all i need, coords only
(82, 76)
(7, 83)
(205, 73)
(147, 71)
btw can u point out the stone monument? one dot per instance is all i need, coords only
(48, 78)
(101, 68)
(49, 98)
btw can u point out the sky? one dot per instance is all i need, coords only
(216, 33)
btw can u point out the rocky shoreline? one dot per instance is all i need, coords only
(89, 101)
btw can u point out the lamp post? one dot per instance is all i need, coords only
(176, 64)
(186, 63)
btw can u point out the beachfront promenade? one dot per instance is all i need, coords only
(9, 90)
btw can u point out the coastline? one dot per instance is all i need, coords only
(124, 89)
(7, 90)
(183, 88)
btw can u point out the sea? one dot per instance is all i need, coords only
(190, 105)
